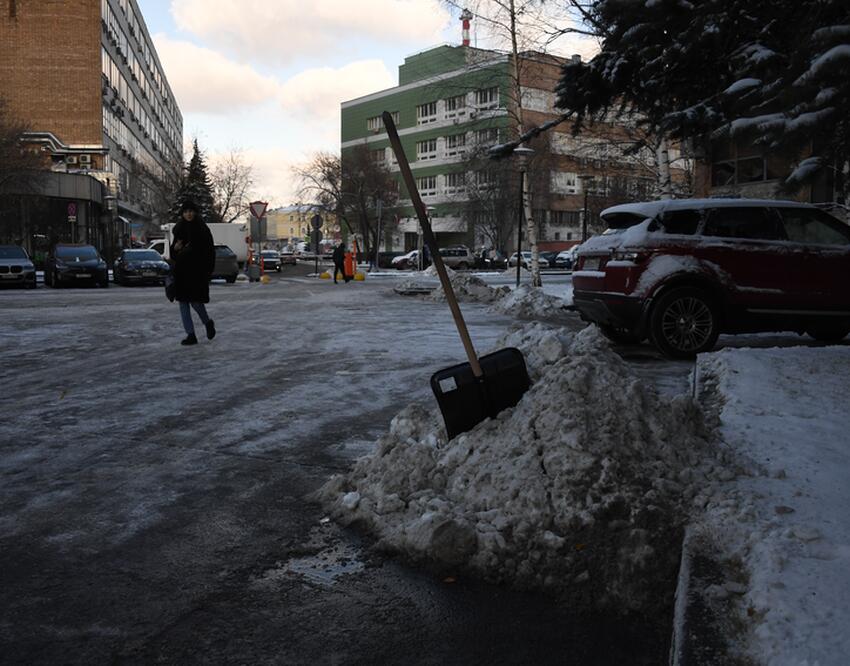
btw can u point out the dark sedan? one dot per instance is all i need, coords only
(69, 264)
(16, 268)
(271, 260)
(140, 267)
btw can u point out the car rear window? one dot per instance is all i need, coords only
(683, 222)
(619, 222)
(223, 251)
(806, 225)
(744, 222)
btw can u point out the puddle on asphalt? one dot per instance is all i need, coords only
(323, 568)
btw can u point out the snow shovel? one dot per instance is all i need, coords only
(469, 392)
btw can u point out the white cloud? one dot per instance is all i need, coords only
(282, 30)
(204, 81)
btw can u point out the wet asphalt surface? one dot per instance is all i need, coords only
(155, 501)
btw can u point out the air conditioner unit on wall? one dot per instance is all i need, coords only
(85, 159)
(70, 159)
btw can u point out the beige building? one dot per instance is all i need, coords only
(291, 224)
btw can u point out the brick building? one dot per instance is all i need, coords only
(84, 77)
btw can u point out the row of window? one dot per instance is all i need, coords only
(454, 183)
(452, 145)
(455, 107)
(166, 138)
(150, 82)
(123, 136)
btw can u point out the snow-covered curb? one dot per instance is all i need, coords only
(785, 523)
(583, 486)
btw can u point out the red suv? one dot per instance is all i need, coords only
(680, 272)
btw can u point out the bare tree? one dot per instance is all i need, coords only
(351, 186)
(231, 180)
(19, 163)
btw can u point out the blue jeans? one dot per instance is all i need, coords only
(186, 316)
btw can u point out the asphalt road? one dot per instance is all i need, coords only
(154, 499)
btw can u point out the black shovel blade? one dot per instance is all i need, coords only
(465, 400)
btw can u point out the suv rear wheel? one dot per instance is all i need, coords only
(683, 323)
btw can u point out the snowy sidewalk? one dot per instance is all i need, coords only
(785, 410)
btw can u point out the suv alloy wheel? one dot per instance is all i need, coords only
(683, 323)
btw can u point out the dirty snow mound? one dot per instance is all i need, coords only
(541, 345)
(581, 486)
(529, 302)
(469, 288)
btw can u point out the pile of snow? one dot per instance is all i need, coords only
(527, 302)
(468, 288)
(785, 522)
(580, 487)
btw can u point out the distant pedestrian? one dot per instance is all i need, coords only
(339, 261)
(193, 252)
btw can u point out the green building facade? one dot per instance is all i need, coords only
(451, 101)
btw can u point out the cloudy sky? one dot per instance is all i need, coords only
(268, 76)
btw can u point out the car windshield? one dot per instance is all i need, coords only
(223, 251)
(12, 252)
(269, 253)
(142, 255)
(77, 253)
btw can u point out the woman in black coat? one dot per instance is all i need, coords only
(193, 253)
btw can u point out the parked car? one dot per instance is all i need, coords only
(566, 258)
(680, 272)
(458, 257)
(407, 261)
(287, 257)
(549, 257)
(16, 267)
(495, 259)
(226, 265)
(75, 264)
(271, 260)
(140, 267)
(526, 260)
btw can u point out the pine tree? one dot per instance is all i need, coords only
(196, 187)
(768, 72)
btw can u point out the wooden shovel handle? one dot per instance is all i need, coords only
(428, 235)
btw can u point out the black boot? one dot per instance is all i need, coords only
(189, 340)
(210, 329)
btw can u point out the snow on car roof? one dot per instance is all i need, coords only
(654, 208)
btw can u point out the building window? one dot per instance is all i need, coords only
(455, 182)
(565, 218)
(456, 106)
(564, 182)
(427, 186)
(426, 150)
(487, 137)
(557, 235)
(426, 113)
(374, 124)
(487, 98)
(455, 144)
(484, 178)
(378, 156)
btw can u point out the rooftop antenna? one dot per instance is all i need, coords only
(466, 17)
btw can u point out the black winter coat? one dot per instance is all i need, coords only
(193, 252)
(339, 255)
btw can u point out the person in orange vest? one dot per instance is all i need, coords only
(349, 266)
